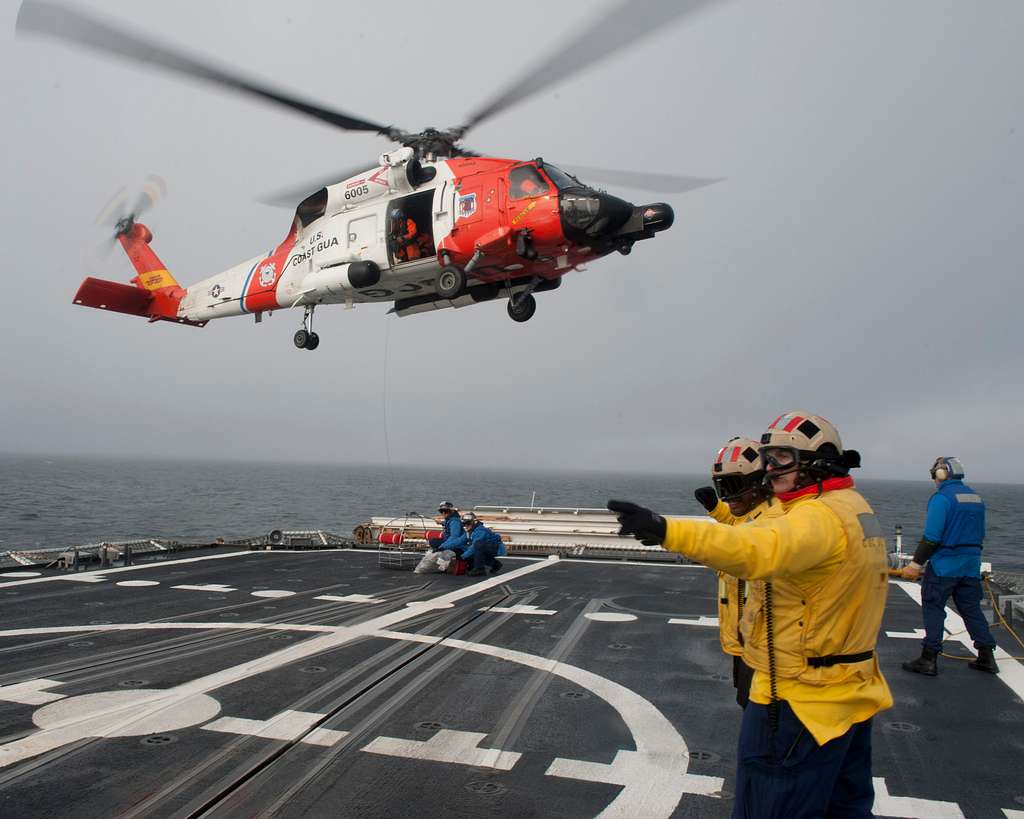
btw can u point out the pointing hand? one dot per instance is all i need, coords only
(641, 523)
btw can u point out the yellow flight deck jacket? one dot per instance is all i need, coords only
(732, 591)
(825, 559)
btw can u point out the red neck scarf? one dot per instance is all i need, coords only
(828, 485)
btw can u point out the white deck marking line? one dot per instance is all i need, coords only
(137, 583)
(206, 587)
(30, 692)
(26, 632)
(522, 608)
(1013, 814)
(610, 617)
(288, 725)
(1011, 672)
(155, 703)
(273, 593)
(98, 575)
(458, 747)
(914, 808)
(915, 634)
(20, 575)
(702, 620)
(654, 776)
(349, 598)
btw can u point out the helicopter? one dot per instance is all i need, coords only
(433, 225)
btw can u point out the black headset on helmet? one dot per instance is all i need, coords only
(947, 467)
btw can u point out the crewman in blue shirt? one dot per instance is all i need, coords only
(953, 533)
(454, 537)
(484, 546)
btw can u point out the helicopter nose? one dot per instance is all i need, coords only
(589, 214)
(657, 216)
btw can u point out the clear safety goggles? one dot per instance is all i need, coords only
(779, 460)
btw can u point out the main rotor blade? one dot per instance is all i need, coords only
(622, 26)
(291, 196)
(51, 19)
(641, 180)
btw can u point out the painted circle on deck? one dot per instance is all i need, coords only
(21, 574)
(127, 713)
(610, 617)
(138, 583)
(273, 593)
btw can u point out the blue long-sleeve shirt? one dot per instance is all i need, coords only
(454, 535)
(483, 538)
(956, 521)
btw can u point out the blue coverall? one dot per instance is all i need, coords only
(454, 537)
(484, 545)
(954, 528)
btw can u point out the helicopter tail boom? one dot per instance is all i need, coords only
(153, 293)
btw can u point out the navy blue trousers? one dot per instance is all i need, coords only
(787, 775)
(966, 593)
(484, 555)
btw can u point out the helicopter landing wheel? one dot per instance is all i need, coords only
(450, 282)
(301, 339)
(313, 341)
(521, 308)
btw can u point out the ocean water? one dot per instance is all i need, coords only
(62, 501)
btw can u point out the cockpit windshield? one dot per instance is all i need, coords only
(561, 179)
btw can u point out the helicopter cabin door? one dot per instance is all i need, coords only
(410, 229)
(362, 234)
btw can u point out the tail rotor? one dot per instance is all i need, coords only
(118, 216)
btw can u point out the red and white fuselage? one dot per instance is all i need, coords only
(384, 235)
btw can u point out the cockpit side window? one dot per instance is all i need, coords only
(312, 207)
(525, 182)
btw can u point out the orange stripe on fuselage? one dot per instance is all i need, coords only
(261, 292)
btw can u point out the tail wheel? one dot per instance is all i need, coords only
(522, 308)
(450, 282)
(301, 339)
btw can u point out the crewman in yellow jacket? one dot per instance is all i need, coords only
(805, 741)
(738, 496)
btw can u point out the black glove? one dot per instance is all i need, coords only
(643, 524)
(707, 497)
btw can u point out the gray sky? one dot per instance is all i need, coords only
(862, 260)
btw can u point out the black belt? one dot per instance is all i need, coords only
(836, 659)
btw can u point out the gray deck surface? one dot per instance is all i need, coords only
(218, 706)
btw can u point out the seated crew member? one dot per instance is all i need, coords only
(739, 482)
(406, 236)
(484, 546)
(954, 529)
(454, 536)
(805, 740)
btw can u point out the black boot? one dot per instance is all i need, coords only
(925, 664)
(985, 661)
